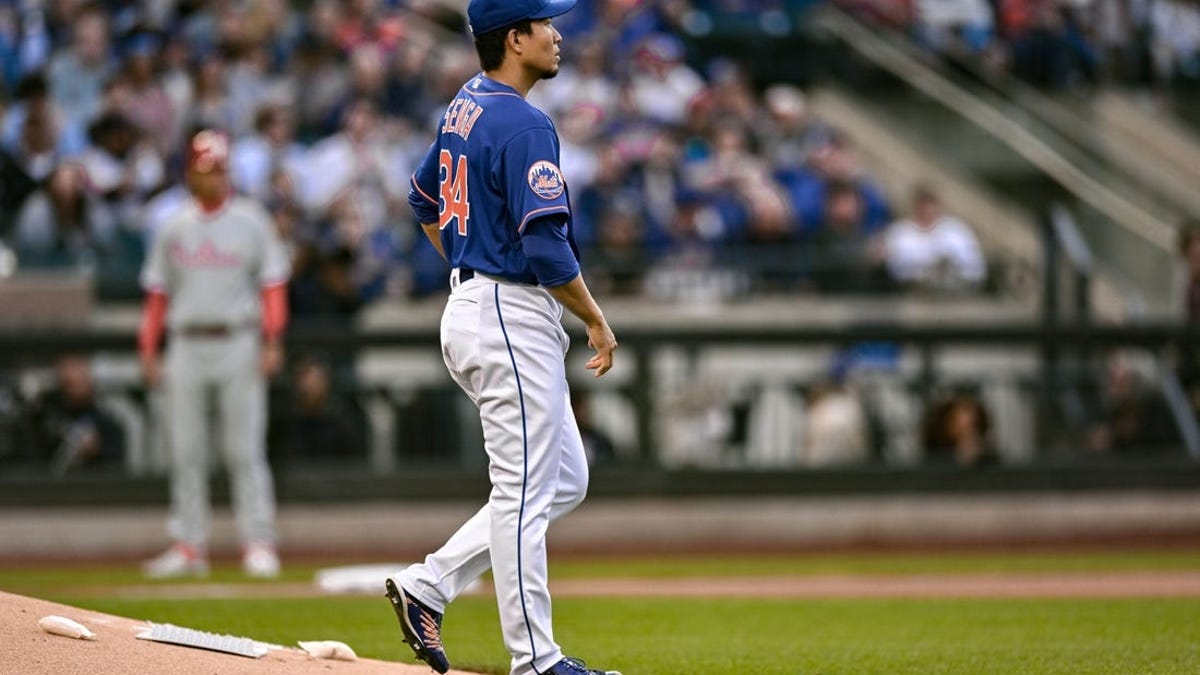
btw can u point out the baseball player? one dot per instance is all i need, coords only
(491, 199)
(216, 280)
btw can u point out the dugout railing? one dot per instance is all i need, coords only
(661, 367)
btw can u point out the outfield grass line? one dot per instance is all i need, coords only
(966, 586)
(1117, 584)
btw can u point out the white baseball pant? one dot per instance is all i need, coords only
(505, 346)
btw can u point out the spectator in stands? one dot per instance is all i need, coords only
(809, 187)
(1123, 37)
(409, 97)
(368, 81)
(579, 134)
(317, 73)
(35, 130)
(210, 105)
(366, 22)
(326, 287)
(77, 75)
(61, 225)
(933, 250)
(272, 148)
(835, 428)
(619, 258)
(583, 81)
(739, 183)
(956, 430)
(25, 36)
(121, 168)
(10, 45)
(251, 85)
(147, 105)
(729, 94)
(319, 423)
(1048, 44)
(662, 85)
(1175, 25)
(654, 187)
(1130, 417)
(274, 25)
(612, 175)
(66, 426)
(689, 268)
(954, 26)
(355, 165)
(789, 134)
(175, 71)
(845, 256)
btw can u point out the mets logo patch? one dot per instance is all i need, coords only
(545, 180)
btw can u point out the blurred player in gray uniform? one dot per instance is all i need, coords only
(216, 281)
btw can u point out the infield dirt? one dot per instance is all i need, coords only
(26, 650)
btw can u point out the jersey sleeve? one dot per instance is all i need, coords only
(423, 188)
(276, 265)
(534, 182)
(154, 270)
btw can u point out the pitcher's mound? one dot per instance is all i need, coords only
(28, 650)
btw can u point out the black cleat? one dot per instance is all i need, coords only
(570, 666)
(421, 627)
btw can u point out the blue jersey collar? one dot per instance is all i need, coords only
(484, 84)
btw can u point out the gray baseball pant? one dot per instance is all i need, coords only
(227, 366)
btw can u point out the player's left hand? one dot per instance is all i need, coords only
(601, 338)
(272, 357)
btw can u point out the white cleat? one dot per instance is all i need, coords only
(260, 561)
(178, 561)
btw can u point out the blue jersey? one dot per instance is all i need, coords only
(492, 170)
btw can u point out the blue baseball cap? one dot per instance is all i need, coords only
(486, 16)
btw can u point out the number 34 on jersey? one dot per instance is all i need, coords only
(454, 201)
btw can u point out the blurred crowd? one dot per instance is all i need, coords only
(689, 180)
(1059, 44)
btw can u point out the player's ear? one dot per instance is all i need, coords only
(514, 40)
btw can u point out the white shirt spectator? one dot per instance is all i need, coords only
(337, 166)
(252, 160)
(946, 250)
(947, 14)
(1176, 29)
(662, 86)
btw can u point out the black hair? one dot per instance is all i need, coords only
(490, 45)
(32, 86)
(109, 124)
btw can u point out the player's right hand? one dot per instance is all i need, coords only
(151, 370)
(601, 338)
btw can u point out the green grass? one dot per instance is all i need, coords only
(876, 563)
(39, 581)
(45, 581)
(654, 636)
(783, 637)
